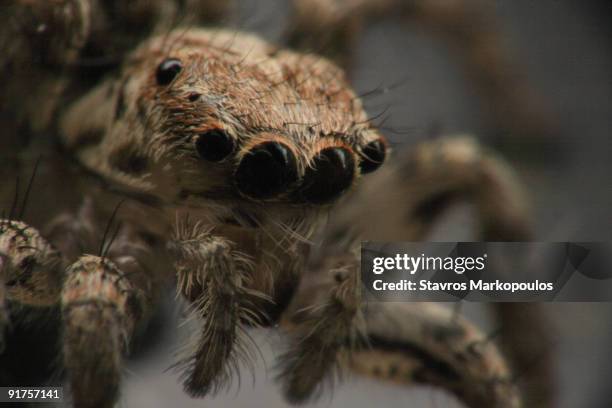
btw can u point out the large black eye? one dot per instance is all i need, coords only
(167, 70)
(332, 173)
(372, 156)
(214, 145)
(267, 170)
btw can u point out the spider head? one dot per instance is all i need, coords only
(203, 117)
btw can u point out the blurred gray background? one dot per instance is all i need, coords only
(563, 46)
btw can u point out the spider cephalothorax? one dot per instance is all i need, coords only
(255, 141)
(204, 116)
(228, 155)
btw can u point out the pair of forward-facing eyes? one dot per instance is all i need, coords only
(215, 145)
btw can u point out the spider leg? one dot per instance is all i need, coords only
(4, 314)
(105, 298)
(100, 308)
(331, 28)
(399, 343)
(413, 343)
(102, 298)
(213, 277)
(31, 273)
(39, 40)
(320, 331)
(527, 340)
(30, 269)
(408, 196)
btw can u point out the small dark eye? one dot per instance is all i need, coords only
(372, 156)
(167, 70)
(214, 145)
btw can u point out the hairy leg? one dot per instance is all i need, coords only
(100, 308)
(30, 266)
(30, 269)
(213, 277)
(4, 314)
(102, 298)
(527, 339)
(321, 330)
(399, 343)
(424, 343)
(405, 202)
(105, 298)
(40, 39)
(406, 198)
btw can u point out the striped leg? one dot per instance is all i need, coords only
(423, 343)
(406, 197)
(100, 308)
(321, 330)
(30, 269)
(213, 277)
(102, 298)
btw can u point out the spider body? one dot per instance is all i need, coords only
(251, 142)
(229, 157)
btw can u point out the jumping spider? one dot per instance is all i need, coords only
(228, 155)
